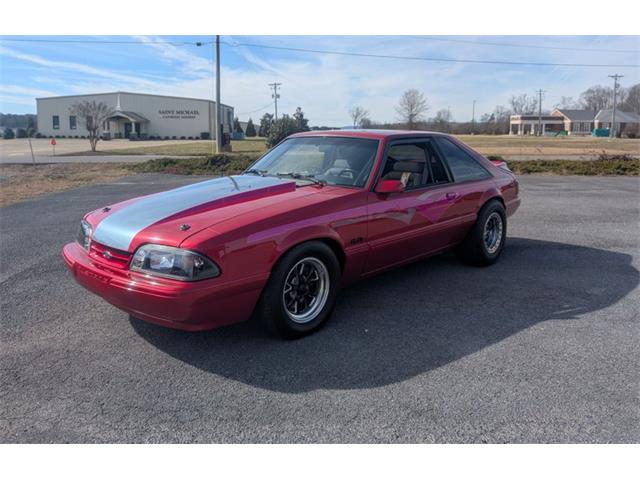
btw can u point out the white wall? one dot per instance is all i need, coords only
(168, 116)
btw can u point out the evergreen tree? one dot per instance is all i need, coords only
(251, 129)
(236, 126)
(265, 125)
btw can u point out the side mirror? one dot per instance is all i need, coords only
(389, 186)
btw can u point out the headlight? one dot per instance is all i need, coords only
(84, 234)
(171, 262)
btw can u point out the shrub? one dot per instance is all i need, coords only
(21, 133)
(183, 137)
(190, 138)
(174, 137)
(221, 164)
(623, 157)
(8, 134)
(576, 167)
(205, 135)
(282, 128)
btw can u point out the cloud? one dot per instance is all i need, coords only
(194, 65)
(324, 85)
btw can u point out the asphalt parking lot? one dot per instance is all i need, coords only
(541, 347)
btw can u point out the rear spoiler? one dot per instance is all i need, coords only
(501, 164)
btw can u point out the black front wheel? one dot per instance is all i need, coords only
(484, 243)
(301, 292)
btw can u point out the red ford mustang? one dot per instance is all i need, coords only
(317, 212)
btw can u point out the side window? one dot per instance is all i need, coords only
(56, 122)
(463, 166)
(437, 171)
(408, 163)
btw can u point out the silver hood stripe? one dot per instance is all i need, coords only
(119, 229)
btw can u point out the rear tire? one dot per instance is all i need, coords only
(484, 243)
(301, 292)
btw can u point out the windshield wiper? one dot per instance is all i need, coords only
(256, 171)
(300, 176)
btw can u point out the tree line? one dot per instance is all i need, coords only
(275, 130)
(413, 107)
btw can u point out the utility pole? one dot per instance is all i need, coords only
(540, 92)
(448, 119)
(275, 95)
(473, 117)
(218, 122)
(615, 77)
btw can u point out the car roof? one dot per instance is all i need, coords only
(365, 133)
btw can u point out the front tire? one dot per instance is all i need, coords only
(484, 243)
(301, 292)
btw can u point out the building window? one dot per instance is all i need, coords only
(72, 122)
(56, 122)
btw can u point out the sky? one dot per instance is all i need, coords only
(324, 85)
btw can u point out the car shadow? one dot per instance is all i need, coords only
(413, 319)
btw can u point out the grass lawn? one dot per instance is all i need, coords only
(24, 181)
(506, 145)
(503, 145)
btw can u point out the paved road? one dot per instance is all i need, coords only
(542, 347)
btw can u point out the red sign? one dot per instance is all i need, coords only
(53, 141)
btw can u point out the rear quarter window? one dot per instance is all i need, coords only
(462, 165)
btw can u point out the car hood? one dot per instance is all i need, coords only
(170, 217)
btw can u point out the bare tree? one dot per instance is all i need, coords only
(632, 101)
(92, 115)
(358, 114)
(568, 103)
(442, 121)
(366, 122)
(412, 107)
(597, 98)
(523, 104)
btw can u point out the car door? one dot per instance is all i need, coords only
(418, 221)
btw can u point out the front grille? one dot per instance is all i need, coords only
(109, 256)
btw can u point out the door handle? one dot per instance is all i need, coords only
(452, 195)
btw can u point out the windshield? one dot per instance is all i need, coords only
(330, 160)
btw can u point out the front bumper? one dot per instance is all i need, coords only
(201, 305)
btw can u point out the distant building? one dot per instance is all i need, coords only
(135, 115)
(574, 122)
(623, 119)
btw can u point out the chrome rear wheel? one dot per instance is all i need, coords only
(492, 233)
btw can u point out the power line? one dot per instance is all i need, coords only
(425, 37)
(520, 45)
(257, 109)
(352, 54)
(426, 59)
(124, 42)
